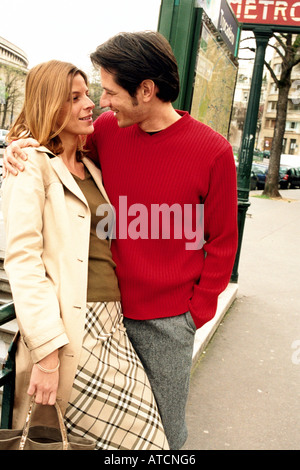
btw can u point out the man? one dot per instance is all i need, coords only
(154, 158)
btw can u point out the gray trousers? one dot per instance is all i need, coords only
(165, 347)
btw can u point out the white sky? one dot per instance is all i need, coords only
(70, 30)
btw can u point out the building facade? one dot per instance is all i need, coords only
(291, 141)
(13, 71)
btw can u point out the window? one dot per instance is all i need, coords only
(294, 105)
(271, 106)
(291, 126)
(277, 69)
(292, 146)
(270, 123)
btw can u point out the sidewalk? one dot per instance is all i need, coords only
(245, 387)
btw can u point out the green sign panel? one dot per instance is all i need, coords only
(214, 85)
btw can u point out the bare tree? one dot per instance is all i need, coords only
(95, 92)
(14, 91)
(289, 51)
(288, 48)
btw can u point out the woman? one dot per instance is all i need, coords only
(73, 346)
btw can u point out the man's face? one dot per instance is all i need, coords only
(128, 110)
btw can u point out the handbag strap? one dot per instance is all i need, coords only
(28, 420)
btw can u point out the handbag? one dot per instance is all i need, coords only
(43, 437)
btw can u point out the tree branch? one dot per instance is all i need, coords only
(280, 41)
(272, 73)
(294, 63)
(252, 49)
(277, 50)
(247, 39)
(246, 49)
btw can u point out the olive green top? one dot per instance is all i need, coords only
(102, 279)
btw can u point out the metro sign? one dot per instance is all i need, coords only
(271, 12)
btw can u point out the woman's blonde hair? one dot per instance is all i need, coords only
(48, 87)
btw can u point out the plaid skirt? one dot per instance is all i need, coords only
(111, 400)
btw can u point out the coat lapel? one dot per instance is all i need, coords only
(67, 179)
(63, 174)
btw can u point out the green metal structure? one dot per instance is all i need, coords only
(180, 23)
(262, 35)
(246, 153)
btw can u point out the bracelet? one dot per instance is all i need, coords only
(48, 371)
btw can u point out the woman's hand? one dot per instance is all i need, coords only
(43, 384)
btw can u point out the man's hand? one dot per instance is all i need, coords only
(13, 152)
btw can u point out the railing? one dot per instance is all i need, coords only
(7, 313)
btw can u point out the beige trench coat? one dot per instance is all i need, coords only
(47, 222)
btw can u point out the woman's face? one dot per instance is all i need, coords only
(81, 118)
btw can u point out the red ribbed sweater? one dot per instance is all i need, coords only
(187, 163)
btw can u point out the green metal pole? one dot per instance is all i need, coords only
(177, 23)
(262, 36)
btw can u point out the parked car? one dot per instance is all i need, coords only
(260, 171)
(289, 177)
(253, 178)
(3, 134)
(254, 181)
(266, 154)
(258, 154)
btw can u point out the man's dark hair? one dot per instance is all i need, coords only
(134, 57)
